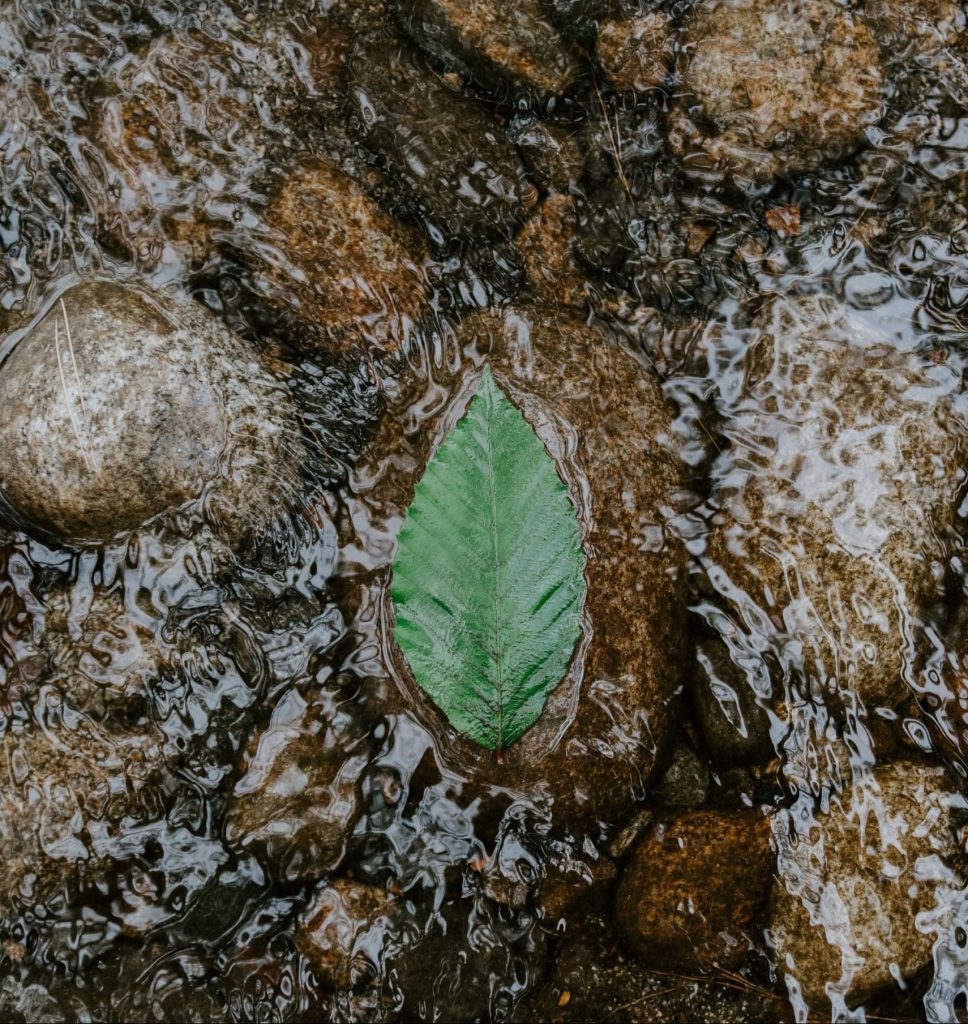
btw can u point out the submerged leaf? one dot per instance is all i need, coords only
(489, 574)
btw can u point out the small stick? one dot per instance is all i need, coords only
(67, 396)
(70, 348)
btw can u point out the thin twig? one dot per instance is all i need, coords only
(67, 397)
(70, 348)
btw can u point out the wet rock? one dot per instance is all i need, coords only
(298, 796)
(103, 658)
(833, 500)
(186, 123)
(685, 782)
(547, 247)
(123, 405)
(590, 980)
(343, 931)
(348, 272)
(915, 27)
(735, 727)
(693, 890)
(844, 914)
(640, 235)
(578, 19)
(554, 154)
(74, 800)
(766, 89)
(600, 413)
(457, 167)
(569, 892)
(636, 53)
(501, 47)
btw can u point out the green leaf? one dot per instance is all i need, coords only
(488, 579)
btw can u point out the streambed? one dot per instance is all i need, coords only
(706, 263)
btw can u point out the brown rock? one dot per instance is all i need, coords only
(735, 726)
(917, 28)
(122, 405)
(546, 245)
(73, 803)
(499, 45)
(826, 533)
(570, 891)
(636, 54)
(348, 271)
(768, 88)
(694, 888)
(298, 797)
(600, 413)
(449, 155)
(554, 154)
(343, 931)
(844, 912)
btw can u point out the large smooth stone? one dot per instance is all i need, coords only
(122, 405)
(766, 88)
(845, 915)
(601, 415)
(833, 501)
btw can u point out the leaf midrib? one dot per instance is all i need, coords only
(498, 595)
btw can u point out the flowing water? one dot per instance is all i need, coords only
(147, 684)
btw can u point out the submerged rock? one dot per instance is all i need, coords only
(547, 247)
(844, 918)
(123, 405)
(452, 158)
(694, 887)
(685, 782)
(636, 53)
(833, 499)
(600, 413)
(501, 46)
(298, 796)
(554, 154)
(73, 801)
(918, 28)
(767, 88)
(735, 727)
(343, 931)
(642, 236)
(347, 270)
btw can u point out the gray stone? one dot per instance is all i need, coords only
(501, 46)
(767, 88)
(833, 499)
(452, 158)
(601, 414)
(121, 406)
(844, 913)
(298, 796)
(685, 782)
